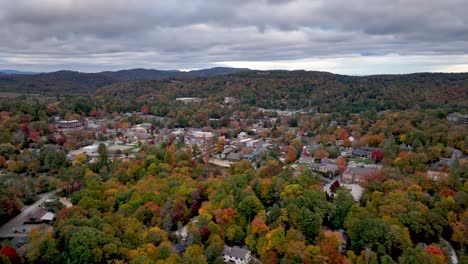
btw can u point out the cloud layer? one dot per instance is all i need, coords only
(92, 35)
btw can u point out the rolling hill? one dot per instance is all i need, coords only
(66, 82)
(324, 91)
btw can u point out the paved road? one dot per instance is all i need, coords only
(17, 222)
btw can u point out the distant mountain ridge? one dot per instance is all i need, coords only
(66, 81)
(15, 72)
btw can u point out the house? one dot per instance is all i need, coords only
(179, 248)
(40, 216)
(236, 255)
(331, 169)
(327, 161)
(356, 174)
(315, 166)
(363, 152)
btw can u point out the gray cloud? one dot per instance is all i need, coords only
(109, 34)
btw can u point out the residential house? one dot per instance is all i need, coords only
(315, 166)
(330, 169)
(236, 255)
(327, 161)
(363, 152)
(179, 248)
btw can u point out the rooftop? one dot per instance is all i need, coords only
(236, 252)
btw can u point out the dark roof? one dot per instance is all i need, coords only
(37, 214)
(361, 152)
(178, 248)
(327, 161)
(236, 252)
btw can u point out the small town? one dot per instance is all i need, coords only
(267, 140)
(233, 132)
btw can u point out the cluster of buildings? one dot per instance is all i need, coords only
(251, 144)
(458, 118)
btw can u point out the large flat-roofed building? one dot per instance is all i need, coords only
(356, 174)
(204, 140)
(187, 100)
(63, 124)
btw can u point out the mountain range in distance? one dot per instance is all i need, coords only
(429, 88)
(139, 73)
(15, 72)
(66, 81)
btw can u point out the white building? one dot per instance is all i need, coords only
(187, 100)
(236, 255)
(204, 140)
(63, 124)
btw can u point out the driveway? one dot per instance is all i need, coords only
(6, 230)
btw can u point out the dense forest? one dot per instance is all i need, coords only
(299, 89)
(131, 207)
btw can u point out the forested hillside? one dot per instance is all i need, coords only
(325, 92)
(66, 82)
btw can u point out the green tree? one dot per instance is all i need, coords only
(194, 255)
(103, 160)
(343, 202)
(249, 206)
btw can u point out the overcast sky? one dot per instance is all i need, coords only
(340, 36)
